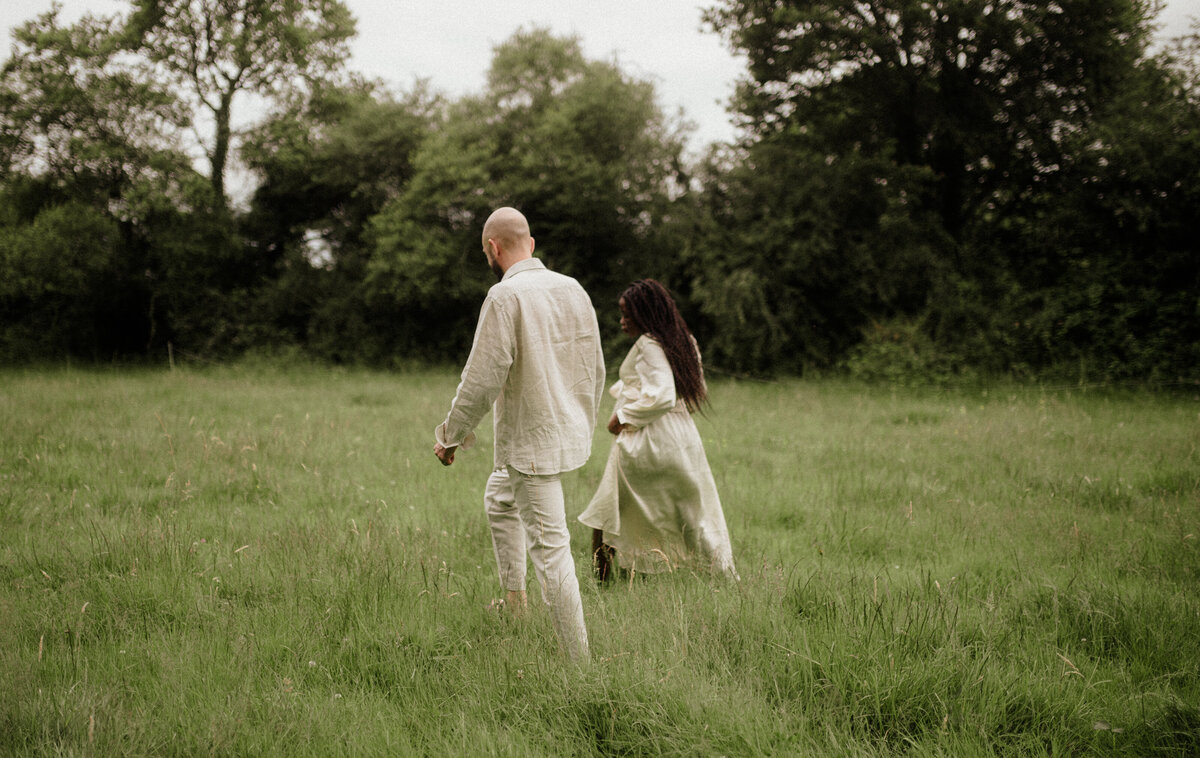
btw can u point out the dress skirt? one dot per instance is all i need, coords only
(657, 503)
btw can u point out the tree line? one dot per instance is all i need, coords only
(919, 188)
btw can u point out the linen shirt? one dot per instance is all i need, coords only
(536, 361)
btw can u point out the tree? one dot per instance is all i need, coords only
(940, 124)
(799, 250)
(1109, 286)
(89, 175)
(216, 49)
(56, 271)
(579, 146)
(983, 93)
(83, 118)
(326, 165)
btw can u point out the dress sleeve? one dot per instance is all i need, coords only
(657, 393)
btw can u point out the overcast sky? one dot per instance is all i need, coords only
(450, 43)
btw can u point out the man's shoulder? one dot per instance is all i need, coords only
(533, 280)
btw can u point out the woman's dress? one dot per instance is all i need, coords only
(657, 503)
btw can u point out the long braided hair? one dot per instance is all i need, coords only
(653, 311)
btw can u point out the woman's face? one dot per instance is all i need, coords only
(628, 325)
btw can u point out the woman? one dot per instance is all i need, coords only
(657, 505)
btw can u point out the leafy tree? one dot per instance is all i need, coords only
(1109, 285)
(891, 150)
(800, 250)
(216, 49)
(87, 165)
(94, 115)
(75, 112)
(983, 93)
(579, 146)
(327, 165)
(57, 272)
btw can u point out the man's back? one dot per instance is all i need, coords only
(545, 413)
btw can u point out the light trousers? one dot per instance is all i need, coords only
(527, 513)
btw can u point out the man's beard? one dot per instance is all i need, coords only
(499, 272)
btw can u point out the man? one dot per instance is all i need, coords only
(537, 358)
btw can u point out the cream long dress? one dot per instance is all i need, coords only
(657, 503)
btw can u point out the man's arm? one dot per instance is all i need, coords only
(598, 376)
(601, 378)
(482, 379)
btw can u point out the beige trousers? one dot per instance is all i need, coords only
(526, 513)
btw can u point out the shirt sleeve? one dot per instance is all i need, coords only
(482, 378)
(657, 394)
(599, 372)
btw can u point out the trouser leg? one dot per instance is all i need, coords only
(540, 502)
(508, 531)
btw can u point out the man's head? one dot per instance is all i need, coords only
(506, 239)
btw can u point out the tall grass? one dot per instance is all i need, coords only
(246, 561)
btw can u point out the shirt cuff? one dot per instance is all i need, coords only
(439, 436)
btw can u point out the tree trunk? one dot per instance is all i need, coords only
(220, 153)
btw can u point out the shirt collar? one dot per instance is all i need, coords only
(529, 264)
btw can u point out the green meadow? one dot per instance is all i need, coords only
(260, 560)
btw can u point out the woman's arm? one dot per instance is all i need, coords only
(656, 395)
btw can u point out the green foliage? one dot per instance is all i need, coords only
(1004, 185)
(982, 95)
(578, 146)
(328, 165)
(1018, 180)
(804, 249)
(901, 353)
(79, 116)
(212, 50)
(55, 272)
(1097, 275)
(87, 125)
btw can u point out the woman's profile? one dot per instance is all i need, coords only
(657, 507)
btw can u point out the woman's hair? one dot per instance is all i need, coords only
(653, 311)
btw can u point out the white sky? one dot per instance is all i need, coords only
(450, 43)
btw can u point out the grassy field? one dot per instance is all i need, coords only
(245, 561)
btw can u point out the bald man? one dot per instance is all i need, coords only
(536, 363)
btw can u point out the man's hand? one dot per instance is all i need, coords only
(615, 426)
(444, 454)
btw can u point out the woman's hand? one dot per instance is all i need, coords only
(615, 426)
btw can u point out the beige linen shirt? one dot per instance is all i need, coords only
(537, 359)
